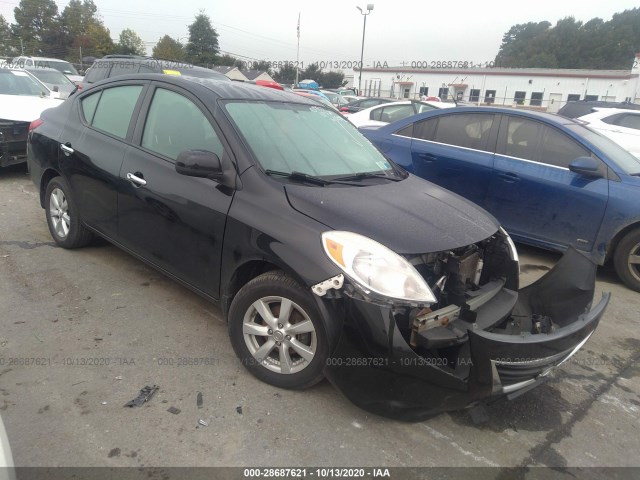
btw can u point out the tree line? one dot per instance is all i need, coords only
(40, 29)
(78, 31)
(595, 44)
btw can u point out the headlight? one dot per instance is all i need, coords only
(375, 267)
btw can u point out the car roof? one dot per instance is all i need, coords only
(44, 58)
(583, 107)
(223, 90)
(437, 112)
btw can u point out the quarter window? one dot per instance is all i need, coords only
(89, 105)
(175, 124)
(114, 110)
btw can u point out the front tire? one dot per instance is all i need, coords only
(62, 216)
(277, 333)
(626, 260)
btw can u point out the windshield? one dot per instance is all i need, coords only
(290, 137)
(19, 83)
(53, 77)
(64, 67)
(627, 162)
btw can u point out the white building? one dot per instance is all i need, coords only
(546, 89)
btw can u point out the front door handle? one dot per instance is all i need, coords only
(137, 181)
(427, 157)
(66, 149)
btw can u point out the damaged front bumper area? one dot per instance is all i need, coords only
(410, 363)
(13, 142)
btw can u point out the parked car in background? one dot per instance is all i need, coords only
(327, 259)
(351, 98)
(310, 91)
(111, 66)
(621, 126)
(392, 112)
(45, 62)
(363, 103)
(22, 100)
(551, 181)
(53, 79)
(316, 98)
(584, 107)
(343, 91)
(335, 98)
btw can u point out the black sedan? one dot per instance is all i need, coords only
(327, 259)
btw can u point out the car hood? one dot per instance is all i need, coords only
(25, 108)
(410, 216)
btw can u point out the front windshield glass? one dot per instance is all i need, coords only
(64, 67)
(19, 83)
(288, 137)
(53, 77)
(627, 162)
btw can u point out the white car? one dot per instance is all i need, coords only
(392, 112)
(44, 62)
(22, 99)
(621, 126)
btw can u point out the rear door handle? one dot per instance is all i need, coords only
(509, 177)
(137, 181)
(66, 149)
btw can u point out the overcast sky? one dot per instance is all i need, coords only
(397, 31)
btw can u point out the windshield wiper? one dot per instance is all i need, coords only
(304, 177)
(364, 175)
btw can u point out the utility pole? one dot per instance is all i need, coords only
(364, 29)
(298, 52)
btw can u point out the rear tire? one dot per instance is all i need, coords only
(62, 216)
(626, 260)
(277, 332)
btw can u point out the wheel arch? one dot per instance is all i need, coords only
(246, 272)
(613, 244)
(47, 176)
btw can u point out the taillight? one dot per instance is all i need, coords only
(35, 124)
(344, 109)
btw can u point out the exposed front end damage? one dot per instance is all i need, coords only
(13, 142)
(483, 337)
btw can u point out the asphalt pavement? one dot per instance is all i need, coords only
(81, 332)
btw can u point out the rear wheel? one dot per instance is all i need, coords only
(626, 260)
(277, 333)
(62, 216)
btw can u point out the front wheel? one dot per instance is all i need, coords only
(62, 216)
(277, 333)
(626, 260)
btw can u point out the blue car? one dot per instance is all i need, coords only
(551, 181)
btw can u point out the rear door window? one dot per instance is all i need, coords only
(115, 108)
(465, 130)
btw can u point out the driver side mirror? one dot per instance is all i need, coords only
(199, 163)
(587, 166)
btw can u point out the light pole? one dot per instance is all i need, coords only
(364, 29)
